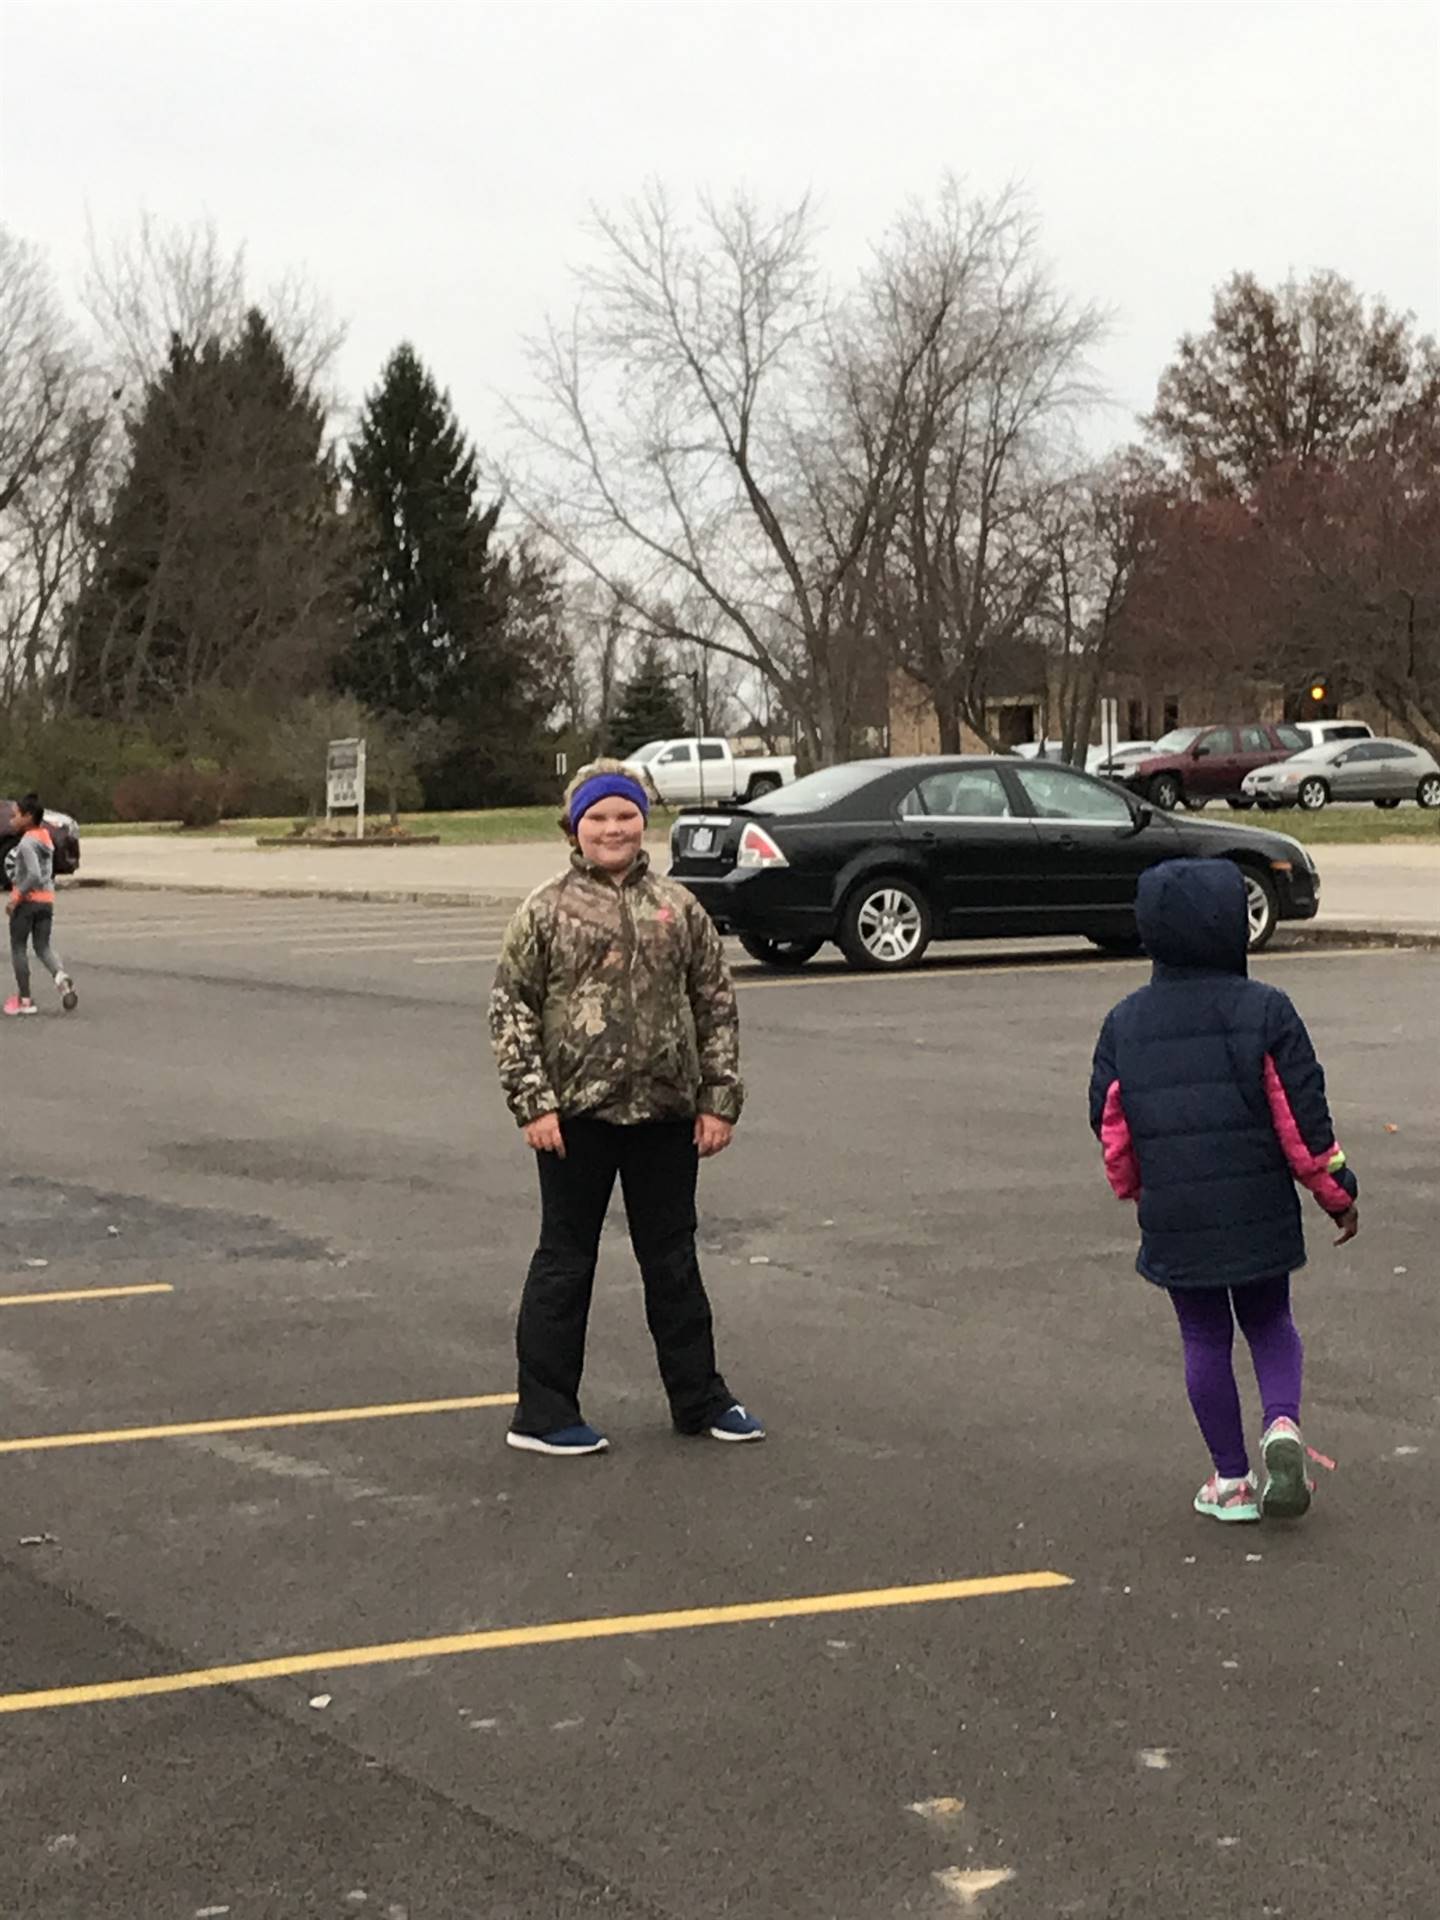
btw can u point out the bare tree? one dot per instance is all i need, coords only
(705, 443)
(53, 437)
(986, 449)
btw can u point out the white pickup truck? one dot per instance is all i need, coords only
(699, 772)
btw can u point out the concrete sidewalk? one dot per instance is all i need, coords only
(1373, 892)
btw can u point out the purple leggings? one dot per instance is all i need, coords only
(1208, 1331)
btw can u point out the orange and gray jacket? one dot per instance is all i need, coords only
(615, 1002)
(32, 868)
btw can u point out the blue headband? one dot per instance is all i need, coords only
(606, 786)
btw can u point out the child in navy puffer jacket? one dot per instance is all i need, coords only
(1210, 1105)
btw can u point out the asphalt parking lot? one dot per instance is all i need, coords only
(952, 1640)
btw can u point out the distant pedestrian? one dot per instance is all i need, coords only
(1210, 1104)
(30, 867)
(617, 1038)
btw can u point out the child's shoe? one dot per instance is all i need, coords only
(65, 987)
(1287, 1485)
(15, 1006)
(1229, 1499)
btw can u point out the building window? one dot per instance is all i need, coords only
(1135, 720)
(1172, 714)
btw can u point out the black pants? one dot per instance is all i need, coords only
(657, 1165)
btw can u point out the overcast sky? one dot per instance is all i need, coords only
(429, 163)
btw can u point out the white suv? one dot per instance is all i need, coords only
(1323, 733)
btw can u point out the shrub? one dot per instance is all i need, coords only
(196, 794)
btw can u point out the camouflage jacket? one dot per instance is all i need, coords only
(615, 1002)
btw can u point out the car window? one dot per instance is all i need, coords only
(816, 791)
(963, 793)
(1254, 740)
(1292, 738)
(712, 750)
(1397, 750)
(1221, 741)
(1368, 750)
(1342, 732)
(683, 751)
(1058, 794)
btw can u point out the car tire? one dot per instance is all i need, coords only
(1427, 794)
(1122, 945)
(762, 783)
(885, 925)
(1275, 806)
(1240, 806)
(1312, 795)
(785, 956)
(1166, 792)
(1196, 802)
(1262, 906)
(1387, 806)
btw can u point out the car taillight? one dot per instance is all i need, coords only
(757, 849)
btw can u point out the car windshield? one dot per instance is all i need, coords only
(644, 755)
(1177, 740)
(818, 790)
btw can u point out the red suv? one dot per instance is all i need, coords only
(1194, 765)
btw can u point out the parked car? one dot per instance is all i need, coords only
(64, 831)
(1194, 765)
(882, 856)
(1040, 750)
(1319, 733)
(682, 771)
(1111, 763)
(1385, 771)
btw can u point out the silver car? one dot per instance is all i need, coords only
(1385, 771)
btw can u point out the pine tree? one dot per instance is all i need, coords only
(443, 617)
(650, 708)
(223, 562)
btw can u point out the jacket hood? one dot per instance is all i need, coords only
(1192, 914)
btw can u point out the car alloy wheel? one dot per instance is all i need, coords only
(1166, 792)
(1429, 791)
(885, 926)
(1313, 795)
(1262, 908)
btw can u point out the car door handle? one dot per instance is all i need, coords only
(1067, 842)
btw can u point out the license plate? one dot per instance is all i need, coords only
(702, 840)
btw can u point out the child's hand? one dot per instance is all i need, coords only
(1349, 1225)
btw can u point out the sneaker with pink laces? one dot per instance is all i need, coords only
(1288, 1486)
(15, 1006)
(1221, 1499)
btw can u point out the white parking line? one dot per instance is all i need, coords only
(454, 959)
(394, 946)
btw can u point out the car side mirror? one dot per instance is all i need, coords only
(1144, 817)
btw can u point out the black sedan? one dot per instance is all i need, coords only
(884, 856)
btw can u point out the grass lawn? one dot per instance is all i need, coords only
(1352, 826)
(488, 828)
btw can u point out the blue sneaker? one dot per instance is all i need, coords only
(564, 1441)
(736, 1424)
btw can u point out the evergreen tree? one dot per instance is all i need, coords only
(222, 565)
(443, 616)
(650, 707)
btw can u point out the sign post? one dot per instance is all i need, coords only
(345, 781)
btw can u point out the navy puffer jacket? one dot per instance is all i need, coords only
(1207, 1097)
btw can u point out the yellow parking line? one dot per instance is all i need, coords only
(255, 1423)
(553, 1634)
(80, 1293)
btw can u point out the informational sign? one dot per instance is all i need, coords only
(345, 781)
